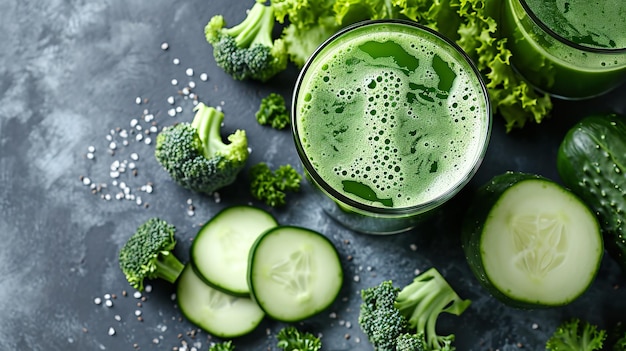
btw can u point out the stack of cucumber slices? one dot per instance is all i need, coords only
(245, 266)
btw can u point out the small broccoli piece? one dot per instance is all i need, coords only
(291, 339)
(247, 50)
(576, 335)
(271, 187)
(196, 157)
(411, 342)
(378, 317)
(273, 111)
(148, 254)
(421, 303)
(223, 346)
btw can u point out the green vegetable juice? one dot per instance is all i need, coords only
(390, 121)
(568, 48)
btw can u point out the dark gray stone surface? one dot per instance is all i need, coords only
(70, 72)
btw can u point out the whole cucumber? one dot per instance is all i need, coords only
(591, 162)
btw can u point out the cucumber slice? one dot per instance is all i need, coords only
(217, 313)
(531, 242)
(219, 253)
(294, 273)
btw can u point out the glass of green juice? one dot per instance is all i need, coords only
(570, 49)
(390, 120)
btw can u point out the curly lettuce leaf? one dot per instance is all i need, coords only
(510, 96)
(472, 24)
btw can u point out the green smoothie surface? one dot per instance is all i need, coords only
(590, 23)
(391, 116)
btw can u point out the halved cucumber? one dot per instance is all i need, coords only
(531, 242)
(294, 273)
(219, 252)
(218, 313)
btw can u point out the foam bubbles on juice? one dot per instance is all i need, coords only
(399, 122)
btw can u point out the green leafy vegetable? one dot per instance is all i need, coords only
(273, 111)
(291, 339)
(222, 346)
(196, 157)
(576, 335)
(272, 187)
(148, 254)
(472, 24)
(247, 50)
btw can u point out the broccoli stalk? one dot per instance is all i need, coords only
(247, 50)
(208, 123)
(196, 157)
(148, 254)
(576, 335)
(404, 319)
(422, 301)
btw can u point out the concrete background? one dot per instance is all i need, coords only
(70, 74)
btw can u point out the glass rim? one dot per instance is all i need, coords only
(394, 211)
(531, 14)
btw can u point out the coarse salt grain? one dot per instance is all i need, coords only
(189, 72)
(134, 156)
(176, 61)
(170, 100)
(204, 77)
(111, 331)
(137, 294)
(164, 46)
(174, 81)
(138, 100)
(97, 300)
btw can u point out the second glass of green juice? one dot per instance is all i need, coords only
(390, 120)
(571, 49)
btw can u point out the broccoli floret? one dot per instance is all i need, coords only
(271, 187)
(404, 319)
(273, 111)
(291, 339)
(411, 342)
(378, 317)
(148, 254)
(223, 346)
(421, 303)
(576, 335)
(196, 157)
(247, 50)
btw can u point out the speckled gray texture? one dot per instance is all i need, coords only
(70, 72)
